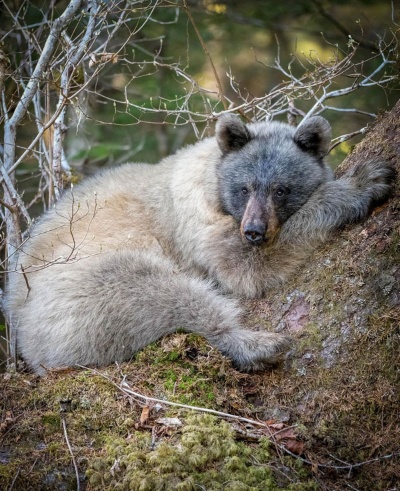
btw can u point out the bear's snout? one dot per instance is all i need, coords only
(254, 232)
(260, 223)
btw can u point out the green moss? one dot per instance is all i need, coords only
(51, 419)
(206, 456)
(184, 380)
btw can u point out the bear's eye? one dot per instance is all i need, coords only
(281, 192)
(244, 191)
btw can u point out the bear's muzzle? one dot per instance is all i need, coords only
(260, 223)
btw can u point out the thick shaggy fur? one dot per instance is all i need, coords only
(142, 250)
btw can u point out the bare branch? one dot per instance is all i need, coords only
(64, 425)
(206, 51)
(77, 53)
(51, 43)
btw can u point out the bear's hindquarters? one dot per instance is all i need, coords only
(103, 309)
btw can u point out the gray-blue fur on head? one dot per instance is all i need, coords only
(271, 159)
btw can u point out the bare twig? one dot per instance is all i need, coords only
(77, 53)
(14, 480)
(206, 51)
(64, 425)
(337, 141)
(124, 387)
(26, 279)
(17, 204)
(340, 26)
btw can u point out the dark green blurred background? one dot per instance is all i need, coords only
(243, 38)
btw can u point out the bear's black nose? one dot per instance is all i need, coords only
(254, 233)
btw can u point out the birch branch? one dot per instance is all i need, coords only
(11, 124)
(48, 50)
(78, 51)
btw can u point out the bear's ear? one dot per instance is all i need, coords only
(231, 133)
(314, 136)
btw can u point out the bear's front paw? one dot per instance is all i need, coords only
(260, 350)
(377, 178)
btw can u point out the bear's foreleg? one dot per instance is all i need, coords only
(337, 203)
(163, 300)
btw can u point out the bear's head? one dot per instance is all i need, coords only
(268, 171)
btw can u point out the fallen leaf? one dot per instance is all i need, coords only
(276, 426)
(287, 438)
(145, 415)
(295, 446)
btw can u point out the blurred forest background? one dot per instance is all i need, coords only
(243, 39)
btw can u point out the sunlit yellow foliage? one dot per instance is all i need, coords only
(216, 8)
(319, 52)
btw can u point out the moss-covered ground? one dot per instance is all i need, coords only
(122, 442)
